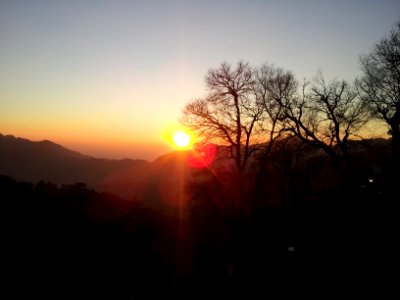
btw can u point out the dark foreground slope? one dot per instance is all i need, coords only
(72, 242)
(75, 243)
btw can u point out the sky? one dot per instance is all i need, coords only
(110, 78)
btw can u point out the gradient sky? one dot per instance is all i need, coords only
(108, 78)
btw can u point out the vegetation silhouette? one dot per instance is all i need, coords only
(379, 89)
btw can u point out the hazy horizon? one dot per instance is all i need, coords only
(109, 78)
(141, 152)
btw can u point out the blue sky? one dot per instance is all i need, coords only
(108, 77)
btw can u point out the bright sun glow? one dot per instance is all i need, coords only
(181, 139)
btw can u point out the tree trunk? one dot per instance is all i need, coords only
(395, 127)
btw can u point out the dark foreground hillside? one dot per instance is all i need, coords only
(71, 242)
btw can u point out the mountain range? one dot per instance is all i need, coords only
(35, 161)
(163, 179)
(31, 161)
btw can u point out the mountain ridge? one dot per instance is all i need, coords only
(45, 160)
(160, 180)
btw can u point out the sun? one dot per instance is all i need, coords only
(181, 139)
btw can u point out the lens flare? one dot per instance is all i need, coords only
(202, 156)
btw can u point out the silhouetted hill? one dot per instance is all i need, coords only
(165, 180)
(160, 183)
(30, 161)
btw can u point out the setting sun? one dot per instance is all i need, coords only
(181, 139)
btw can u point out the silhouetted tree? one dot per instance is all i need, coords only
(380, 85)
(228, 115)
(273, 86)
(326, 115)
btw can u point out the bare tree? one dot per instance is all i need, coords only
(272, 87)
(229, 114)
(326, 115)
(380, 85)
